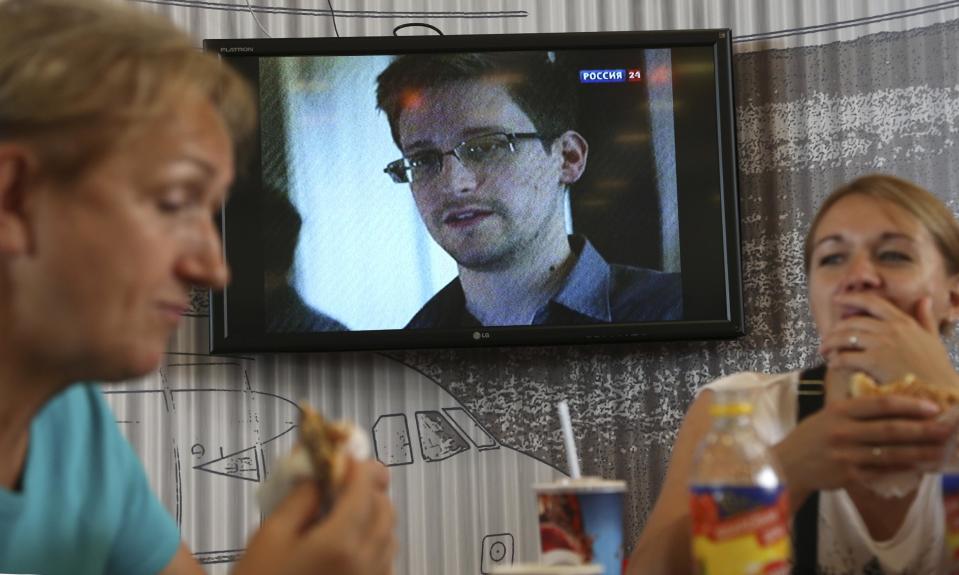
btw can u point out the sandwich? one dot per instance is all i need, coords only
(322, 453)
(900, 484)
(862, 385)
(330, 445)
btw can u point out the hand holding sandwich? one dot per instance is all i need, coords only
(355, 538)
(856, 440)
(329, 511)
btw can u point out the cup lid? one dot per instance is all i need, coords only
(536, 569)
(582, 484)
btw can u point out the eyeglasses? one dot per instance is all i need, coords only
(479, 153)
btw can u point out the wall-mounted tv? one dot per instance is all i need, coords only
(444, 191)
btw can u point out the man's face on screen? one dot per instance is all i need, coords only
(486, 215)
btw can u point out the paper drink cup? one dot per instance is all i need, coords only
(581, 523)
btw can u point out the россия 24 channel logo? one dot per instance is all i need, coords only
(608, 76)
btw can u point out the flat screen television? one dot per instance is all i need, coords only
(456, 191)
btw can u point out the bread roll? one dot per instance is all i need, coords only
(328, 445)
(322, 454)
(861, 385)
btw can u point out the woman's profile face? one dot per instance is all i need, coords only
(874, 248)
(117, 251)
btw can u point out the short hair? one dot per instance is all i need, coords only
(922, 204)
(539, 84)
(78, 76)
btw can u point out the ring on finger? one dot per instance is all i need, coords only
(877, 452)
(854, 340)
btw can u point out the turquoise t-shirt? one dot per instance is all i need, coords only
(86, 506)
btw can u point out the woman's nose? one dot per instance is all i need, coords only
(202, 263)
(861, 273)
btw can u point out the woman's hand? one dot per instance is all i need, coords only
(854, 440)
(355, 538)
(888, 343)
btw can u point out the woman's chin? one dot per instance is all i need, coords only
(131, 365)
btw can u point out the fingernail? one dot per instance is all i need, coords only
(928, 406)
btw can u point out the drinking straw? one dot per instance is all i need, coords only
(571, 458)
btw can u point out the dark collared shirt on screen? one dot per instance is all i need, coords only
(286, 312)
(595, 292)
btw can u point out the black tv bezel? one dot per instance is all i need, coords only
(223, 341)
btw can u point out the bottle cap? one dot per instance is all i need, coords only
(730, 409)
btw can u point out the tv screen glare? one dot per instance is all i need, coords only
(456, 191)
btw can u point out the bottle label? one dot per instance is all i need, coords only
(950, 502)
(739, 530)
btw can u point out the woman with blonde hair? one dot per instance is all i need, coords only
(116, 150)
(882, 258)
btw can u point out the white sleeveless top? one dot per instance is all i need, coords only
(845, 546)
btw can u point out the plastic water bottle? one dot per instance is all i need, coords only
(738, 504)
